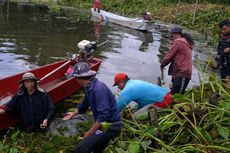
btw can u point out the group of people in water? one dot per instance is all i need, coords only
(35, 107)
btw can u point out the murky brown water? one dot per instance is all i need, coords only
(30, 37)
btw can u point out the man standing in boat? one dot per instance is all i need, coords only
(104, 107)
(143, 93)
(97, 5)
(31, 103)
(180, 57)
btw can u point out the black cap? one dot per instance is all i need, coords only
(225, 22)
(175, 30)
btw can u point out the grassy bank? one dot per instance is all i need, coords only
(207, 16)
(203, 17)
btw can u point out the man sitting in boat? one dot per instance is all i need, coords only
(143, 93)
(33, 105)
(104, 107)
(147, 16)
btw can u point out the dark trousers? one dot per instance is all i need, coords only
(96, 143)
(179, 85)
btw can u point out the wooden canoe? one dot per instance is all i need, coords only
(55, 84)
(134, 23)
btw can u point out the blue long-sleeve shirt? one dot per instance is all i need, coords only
(143, 93)
(101, 101)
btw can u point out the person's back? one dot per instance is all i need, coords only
(143, 93)
(180, 57)
(103, 105)
(182, 60)
(97, 93)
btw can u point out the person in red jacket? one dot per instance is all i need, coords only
(97, 5)
(180, 58)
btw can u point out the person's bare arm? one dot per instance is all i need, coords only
(93, 129)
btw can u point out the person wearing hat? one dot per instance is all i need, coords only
(223, 52)
(104, 108)
(180, 58)
(143, 93)
(31, 103)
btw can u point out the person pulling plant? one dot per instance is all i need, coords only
(104, 107)
(143, 93)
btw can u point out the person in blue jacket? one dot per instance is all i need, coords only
(104, 107)
(141, 92)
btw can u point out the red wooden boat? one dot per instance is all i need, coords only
(52, 81)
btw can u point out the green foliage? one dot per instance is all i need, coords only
(200, 1)
(38, 142)
(54, 8)
(206, 21)
(194, 125)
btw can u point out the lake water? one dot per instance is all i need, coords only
(30, 37)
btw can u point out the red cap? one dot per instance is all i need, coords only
(119, 77)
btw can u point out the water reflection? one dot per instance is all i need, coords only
(145, 37)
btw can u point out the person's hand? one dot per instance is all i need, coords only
(227, 50)
(69, 115)
(2, 111)
(44, 123)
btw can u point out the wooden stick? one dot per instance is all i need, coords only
(194, 15)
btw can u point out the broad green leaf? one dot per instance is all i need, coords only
(1, 147)
(119, 150)
(142, 116)
(15, 135)
(207, 136)
(224, 132)
(14, 150)
(151, 130)
(145, 144)
(134, 147)
(72, 109)
(105, 126)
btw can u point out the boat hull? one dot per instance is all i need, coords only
(134, 23)
(56, 85)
